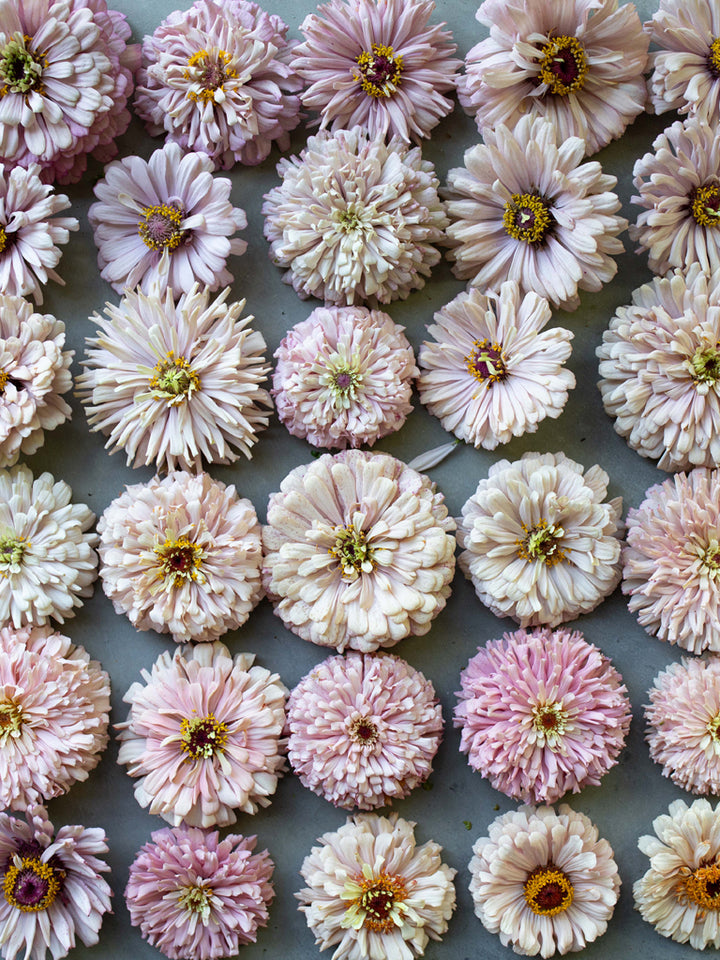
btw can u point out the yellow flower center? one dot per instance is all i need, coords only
(203, 737)
(542, 543)
(209, 71)
(352, 552)
(180, 560)
(173, 380)
(379, 71)
(713, 728)
(4, 377)
(376, 901)
(161, 227)
(3, 239)
(21, 67)
(550, 722)
(548, 891)
(563, 66)
(31, 885)
(702, 887)
(713, 60)
(486, 362)
(706, 364)
(705, 205)
(11, 720)
(527, 218)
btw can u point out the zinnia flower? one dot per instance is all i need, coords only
(679, 893)
(671, 562)
(203, 735)
(54, 704)
(358, 551)
(540, 544)
(372, 892)
(344, 377)
(355, 219)
(363, 729)
(378, 64)
(53, 891)
(544, 881)
(47, 561)
(34, 373)
(541, 714)
(578, 64)
(195, 895)
(173, 383)
(525, 208)
(165, 221)
(494, 372)
(181, 555)
(216, 79)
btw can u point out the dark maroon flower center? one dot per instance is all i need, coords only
(363, 731)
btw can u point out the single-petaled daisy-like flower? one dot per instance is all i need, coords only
(174, 384)
(344, 377)
(544, 881)
(679, 893)
(660, 370)
(541, 714)
(47, 561)
(34, 373)
(577, 63)
(540, 543)
(181, 555)
(54, 704)
(373, 893)
(359, 551)
(671, 561)
(494, 372)
(355, 219)
(363, 729)
(30, 232)
(195, 895)
(53, 894)
(379, 64)
(678, 187)
(165, 222)
(216, 79)
(203, 736)
(525, 208)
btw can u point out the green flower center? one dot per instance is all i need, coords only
(197, 900)
(706, 364)
(203, 737)
(705, 205)
(31, 885)
(548, 891)
(563, 66)
(173, 380)
(161, 227)
(542, 543)
(12, 549)
(343, 378)
(527, 218)
(352, 552)
(379, 71)
(20, 67)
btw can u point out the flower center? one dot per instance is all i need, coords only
(209, 71)
(342, 378)
(563, 66)
(197, 900)
(20, 67)
(548, 891)
(380, 71)
(713, 728)
(702, 887)
(705, 205)
(352, 552)
(527, 218)
(710, 558)
(31, 885)
(173, 380)
(363, 730)
(180, 560)
(713, 60)
(12, 549)
(376, 901)
(706, 364)
(550, 722)
(4, 377)
(3, 239)
(203, 737)
(161, 227)
(11, 721)
(542, 543)
(486, 362)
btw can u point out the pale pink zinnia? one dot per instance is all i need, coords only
(373, 893)
(493, 371)
(671, 562)
(195, 895)
(359, 551)
(544, 881)
(175, 384)
(344, 377)
(541, 714)
(525, 208)
(53, 892)
(203, 736)
(363, 729)
(216, 79)
(165, 221)
(577, 63)
(540, 543)
(181, 555)
(379, 64)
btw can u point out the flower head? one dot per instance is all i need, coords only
(344, 377)
(540, 544)
(544, 881)
(372, 892)
(195, 895)
(181, 555)
(355, 219)
(358, 551)
(216, 79)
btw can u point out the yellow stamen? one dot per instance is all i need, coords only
(563, 66)
(548, 891)
(203, 737)
(702, 887)
(161, 227)
(180, 560)
(705, 205)
(173, 380)
(542, 543)
(31, 885)
(527, 218)
(379, 71)
(376, 901)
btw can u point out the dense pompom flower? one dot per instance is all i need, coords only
(539, 543)
(358, 551)
(203, 735)
(494, 372)
(373, 893)
(344, 377)
(363, 729)
(525, 208)
(355, 219)
(379, 64)
(216, 79)
(181, 555)
(165, 222)
(195, 895)
(175, 384)
(544, 881)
